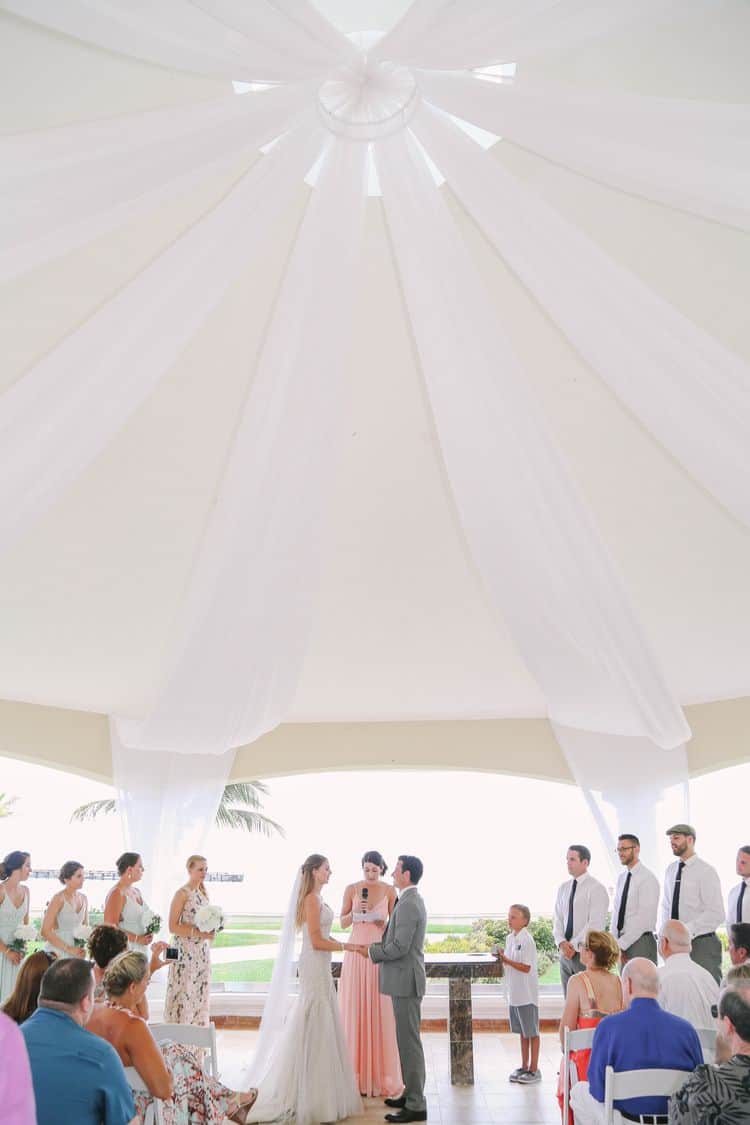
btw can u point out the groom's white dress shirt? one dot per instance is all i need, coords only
(589, 909)
(641, 907)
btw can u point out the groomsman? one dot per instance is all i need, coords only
(581, 905)
(636, 903)
(738, 903)
(692, 894)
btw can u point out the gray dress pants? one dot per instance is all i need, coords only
(644, 946)
(408, 1013)
(569, 966)
(706, 951)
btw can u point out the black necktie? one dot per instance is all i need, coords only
(676, 891)
(569, 923)
(623, 904)
(739, 900)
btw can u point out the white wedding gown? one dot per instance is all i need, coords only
(310, 1077)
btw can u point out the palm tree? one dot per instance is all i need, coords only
(6, 805)
(230, 814)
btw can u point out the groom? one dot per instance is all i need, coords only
(402, 977)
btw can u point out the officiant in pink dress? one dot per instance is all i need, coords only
(369, 1026)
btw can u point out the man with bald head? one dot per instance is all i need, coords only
(685, 988)
(643, 1037)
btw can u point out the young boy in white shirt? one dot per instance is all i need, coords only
(519, 958)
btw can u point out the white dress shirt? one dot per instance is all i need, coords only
(640, 909)
(701, 902)
(688, 990)
(523, 988)
(589, 909)
(734, 894)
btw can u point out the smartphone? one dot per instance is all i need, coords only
(171, 953)
(364, 895)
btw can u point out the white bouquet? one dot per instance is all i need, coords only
(81, 935)
(151, 921)
(209, 919)
(21, 935)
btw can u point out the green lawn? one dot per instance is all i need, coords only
(226, 940)
(243, 971)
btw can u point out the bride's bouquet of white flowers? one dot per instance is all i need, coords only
(209, 919)
(81, 935)
(151, 921)
(21, 935)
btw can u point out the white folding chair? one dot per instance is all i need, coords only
(707, 1036)
(573, 1041)
(154, 1115)
(619, 1084)
(192, 1036)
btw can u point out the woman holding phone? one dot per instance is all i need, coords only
(369, 1025)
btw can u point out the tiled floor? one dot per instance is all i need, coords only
(492, 1099)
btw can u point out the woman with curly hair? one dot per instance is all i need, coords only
(592, 995)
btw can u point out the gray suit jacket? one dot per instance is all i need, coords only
(401, 951)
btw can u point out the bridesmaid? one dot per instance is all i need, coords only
(67, 910)
(124, 906)
(14, 912)
(369, 1026)
(190, 977)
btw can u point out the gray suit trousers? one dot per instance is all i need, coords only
(568, 968)
(644, 946)
(706, 951)
(408, 1013)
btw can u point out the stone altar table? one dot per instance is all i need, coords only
(459, 969)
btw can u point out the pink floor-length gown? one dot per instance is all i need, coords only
(369, 1026)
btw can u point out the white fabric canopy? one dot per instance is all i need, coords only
(249, 568)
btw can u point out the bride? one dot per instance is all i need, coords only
(301, 1066)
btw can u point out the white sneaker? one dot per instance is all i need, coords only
(516, 1075)
(528, 1077)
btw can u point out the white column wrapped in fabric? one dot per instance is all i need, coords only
(630, 785)
(530, 534)
(167, 804)
(650, 354)
(239, 644)
(58, 416)
(684, 152)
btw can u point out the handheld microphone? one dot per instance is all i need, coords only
(364, 894)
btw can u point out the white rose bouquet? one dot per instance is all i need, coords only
(151, 921)
(209, 919)
(21, 935)
(81, 935)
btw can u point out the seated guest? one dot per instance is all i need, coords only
(721, 1093)
(739, 943)
(685, 988)
(25, 995)
(105, 943)
(16, 1090)
(77, 1078)
(172, 1072)
(643, 1037)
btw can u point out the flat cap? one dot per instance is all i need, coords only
(682, 830)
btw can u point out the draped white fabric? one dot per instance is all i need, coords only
(238, 644)
(652, 356)
(246, 614)
(686, 153)
(167, 804)
(630, 785)
(529, 534)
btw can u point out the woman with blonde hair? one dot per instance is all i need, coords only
(592, 995)
(301, 1066)
(171, 1072)
(189, 981)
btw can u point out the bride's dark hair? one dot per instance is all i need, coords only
(311, 864)
(377, 859)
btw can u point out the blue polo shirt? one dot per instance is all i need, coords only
(77, 1076)
(643, 1037)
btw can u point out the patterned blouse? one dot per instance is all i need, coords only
(714, 1095)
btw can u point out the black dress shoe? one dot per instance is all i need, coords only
(396, 1103)
(407, 1115)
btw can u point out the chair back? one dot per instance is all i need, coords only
(619, 1084)
(186, 1033)
(154, 1115)
(577, 1040)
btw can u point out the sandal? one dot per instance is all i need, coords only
(245, 1103)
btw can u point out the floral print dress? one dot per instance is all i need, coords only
(198, 1099)
(189, 978)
